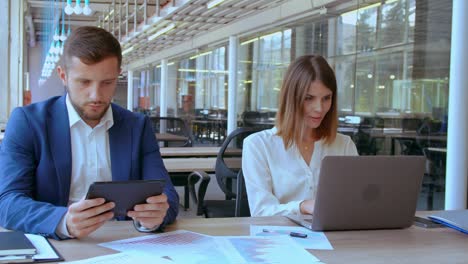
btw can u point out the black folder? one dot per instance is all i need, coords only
(15, 243)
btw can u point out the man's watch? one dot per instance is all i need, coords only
(143, 229)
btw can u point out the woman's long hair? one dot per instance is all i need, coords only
(296, 83)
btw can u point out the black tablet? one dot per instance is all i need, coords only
(125, 194)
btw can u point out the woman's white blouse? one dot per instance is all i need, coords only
(278, 179)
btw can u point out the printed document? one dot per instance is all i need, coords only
(314, 240)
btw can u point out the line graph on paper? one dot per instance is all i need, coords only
(176, 239)
(180, 239)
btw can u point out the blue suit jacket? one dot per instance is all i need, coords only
(35, 164)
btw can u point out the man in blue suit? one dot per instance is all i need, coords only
(53, 150)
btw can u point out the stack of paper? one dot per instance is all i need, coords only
(189, 247)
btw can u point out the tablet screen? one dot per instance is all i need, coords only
(125, 194)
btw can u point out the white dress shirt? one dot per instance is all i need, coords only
(90, 155)
(277, 179)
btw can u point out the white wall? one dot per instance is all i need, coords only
(172, 88)
(4, 62)
(52, 87)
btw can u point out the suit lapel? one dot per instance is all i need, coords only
(60, 145)
(120, 141)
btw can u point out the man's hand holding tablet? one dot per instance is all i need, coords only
(141, 200)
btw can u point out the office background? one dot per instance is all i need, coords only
(392, 60)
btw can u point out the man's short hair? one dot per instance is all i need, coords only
(91, 45)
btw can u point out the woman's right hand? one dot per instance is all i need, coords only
(307, 206)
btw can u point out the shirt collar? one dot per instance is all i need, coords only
(107, 120)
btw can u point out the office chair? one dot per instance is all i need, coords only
(177, 127)
(434, 178)
(238, 207)
(249, 118)
(242, 202)
(235, 203)
(365, 143)
(409, 146)
(174, 126)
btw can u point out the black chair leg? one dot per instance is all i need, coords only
(186, 198)
(430, 198)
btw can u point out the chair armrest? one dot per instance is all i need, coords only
(198, 197)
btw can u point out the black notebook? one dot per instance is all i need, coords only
(15, 243)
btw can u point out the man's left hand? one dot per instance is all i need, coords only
(152, 213)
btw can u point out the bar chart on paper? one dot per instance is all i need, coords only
(179, 246)
(274, 249)
(188, 247)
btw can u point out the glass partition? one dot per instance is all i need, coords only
(391, 60)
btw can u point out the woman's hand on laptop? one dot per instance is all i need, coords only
(152, 213)
(307, 206)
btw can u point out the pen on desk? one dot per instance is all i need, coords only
(293, 234)
(296, 234)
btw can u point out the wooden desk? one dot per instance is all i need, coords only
(169, 137)
(165, 138)
(196, 152)
(395, 136)
(411, 245)
(189, 152)
(188, 165)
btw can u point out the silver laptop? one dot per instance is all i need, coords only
(365, 192)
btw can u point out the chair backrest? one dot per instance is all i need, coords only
(437, 161)
(242, 203)
(365, 143)
(429, 126)
(249, 117)
(410, 124)
(224, 174)
(175, 126)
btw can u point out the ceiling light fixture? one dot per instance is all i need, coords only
(78, 10)
(63, 34)
(69, 8)
(249, 41)
(162, 31)
(56, 36)
(127, 50)
(214, 3)
(200, 55)
(87, 11)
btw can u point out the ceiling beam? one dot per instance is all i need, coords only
(101, 7)
(72, 22)
(194, 21)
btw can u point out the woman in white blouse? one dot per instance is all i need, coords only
(281, 165)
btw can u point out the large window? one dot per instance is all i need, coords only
(374, 58)
(202, 79)
(391, 59)
(262, 63)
